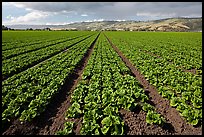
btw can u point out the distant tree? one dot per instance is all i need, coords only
(48, 29)
(38, 29)
(10, 29)
(4, 27)
(29, 29)
(127, 29)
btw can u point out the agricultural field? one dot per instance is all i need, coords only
(101, 83)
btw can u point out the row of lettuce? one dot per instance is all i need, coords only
(17, 39)
(34, 55)
(26, 94)
(183, 89)
(182, 49)
(106, 87)
(6, 54)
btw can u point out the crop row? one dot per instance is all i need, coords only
(107, 86)
(173, 47)
(43, 44)
(16, 39)
(184, 90)
(13, 45)
(27, 94)
(19, 63)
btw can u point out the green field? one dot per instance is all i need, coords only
(37, 66)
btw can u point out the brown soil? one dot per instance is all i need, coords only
(136, 124)
(77, 125)
(175, 122)
(53, 118)
(59, 120)
(193, 71)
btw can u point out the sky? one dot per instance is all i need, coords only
(60, 13)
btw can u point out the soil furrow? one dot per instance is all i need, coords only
(135, 124)
(53, 118)
(59, 120)
(180, 126)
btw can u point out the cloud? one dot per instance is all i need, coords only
(171, 9)
(98, 20)
(56, 23)
(29, 18)
(60, 6)
(84, 15)
(9, 17)
(120, 20)
(115, 9)
(108, 10)
(94, 20)
(5, 4)
(148, 14)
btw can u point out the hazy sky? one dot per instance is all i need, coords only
(68, 12)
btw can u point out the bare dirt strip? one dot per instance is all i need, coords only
(175, 123)
(43, 59)
(53, 118)
(135, 124)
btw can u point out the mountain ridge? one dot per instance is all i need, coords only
(167, 24)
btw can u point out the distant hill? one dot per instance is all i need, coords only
(169, 24)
